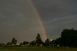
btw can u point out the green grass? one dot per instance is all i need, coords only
(37, 49)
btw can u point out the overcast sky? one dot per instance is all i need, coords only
(18, 19)
(57, 15)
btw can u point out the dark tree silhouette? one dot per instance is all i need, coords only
(47, 42)
(25, 43)
(33, 43)
(9, 43)
(38, 39)
(2, 44)
(21, 44)
(14, 41)
(68, 38)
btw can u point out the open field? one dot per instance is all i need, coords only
(37, 49)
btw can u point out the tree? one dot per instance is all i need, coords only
(52, 43)
(33, 43)
(2, 44)
(47, 42)
(38, 39)
(21, 44)
(57, 41)
(9, 43)
(14, 41)
(25, 43)
(68, 38)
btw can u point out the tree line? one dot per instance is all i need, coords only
(68, 38)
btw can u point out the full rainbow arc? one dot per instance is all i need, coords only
(40, 20)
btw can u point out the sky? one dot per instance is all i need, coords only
(18, 18)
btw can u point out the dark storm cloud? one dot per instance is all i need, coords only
(17, 19)
(57, 15)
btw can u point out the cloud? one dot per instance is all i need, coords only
(17, 19)
(57, 15)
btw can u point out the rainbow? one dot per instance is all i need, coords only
(40, 20)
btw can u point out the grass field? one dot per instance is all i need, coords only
(37, 49)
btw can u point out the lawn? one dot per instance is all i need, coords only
(37, 49)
